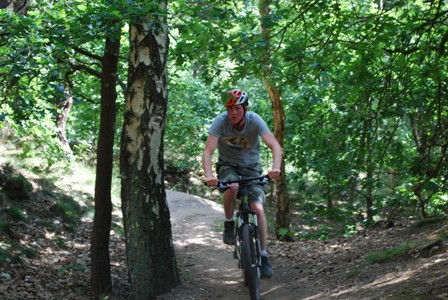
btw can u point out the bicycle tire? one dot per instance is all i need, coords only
(249, 261)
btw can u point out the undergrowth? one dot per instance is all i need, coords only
(390, 254)
(29, 195)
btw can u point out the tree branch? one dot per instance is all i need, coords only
(86, 53)
(121, 83)
(86, 69)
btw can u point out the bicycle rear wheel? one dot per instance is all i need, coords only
(249, 262)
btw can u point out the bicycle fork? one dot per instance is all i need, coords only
(251, 219)
(257, 241)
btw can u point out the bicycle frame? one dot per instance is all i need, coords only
(247, 247)
(245, 216)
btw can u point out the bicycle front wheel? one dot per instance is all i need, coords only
(249, 262)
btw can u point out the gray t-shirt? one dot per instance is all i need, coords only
(239, 147)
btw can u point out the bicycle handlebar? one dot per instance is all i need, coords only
(262, 180)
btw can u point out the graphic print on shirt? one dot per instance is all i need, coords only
(237, 142)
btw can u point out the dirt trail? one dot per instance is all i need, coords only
(57, 265)
(303, 270)
(209, 270)
(329, 269)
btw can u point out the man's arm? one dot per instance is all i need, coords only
(210, 146)
(277, 153)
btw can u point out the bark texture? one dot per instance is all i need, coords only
(282, 210)
(99, 250)
(149, 247)
(65, 105)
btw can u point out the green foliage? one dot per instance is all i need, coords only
(352, 273)
(117, 228)
(350, 230)
(362, 85)
(14, 186)
(50, 226)
(16, 214)
(443, 234)
(43, 50)
(285, 233)
(190, 111)
(389, 254)
(61, 242)
(29, 253)
(4, 227)
(3, 256)
(320, 232)
(67, 208)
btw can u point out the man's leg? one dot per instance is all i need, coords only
(262, 224)
(229, 198)
(266, 269)
(229, 205)
(227, 172)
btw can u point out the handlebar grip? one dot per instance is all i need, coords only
(219, 186)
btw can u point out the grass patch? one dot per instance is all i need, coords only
(3, 256)
(4, 227)
(219, 225)
(29, 253)
(390, 254)
(60, 242)
(67, 208)
(118, 228)
(16, 214)
(443, 234)
(75, 267)
(14, 185)
(13, 253)
(352, 273)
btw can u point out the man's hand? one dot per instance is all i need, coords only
(211, 181)
(274, 174)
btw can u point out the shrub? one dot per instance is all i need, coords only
(14, 186)
(16, 214)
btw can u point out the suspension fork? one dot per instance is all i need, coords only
(257, 237)
(251, 218)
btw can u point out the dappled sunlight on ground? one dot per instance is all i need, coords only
(57, 260)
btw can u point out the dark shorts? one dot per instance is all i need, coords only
(228, 171)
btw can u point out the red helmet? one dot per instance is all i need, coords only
(237, 97)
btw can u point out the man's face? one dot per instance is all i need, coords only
(235, 113)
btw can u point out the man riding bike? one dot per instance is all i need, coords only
(236, 133)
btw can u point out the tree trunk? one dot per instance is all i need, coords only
(282, 211)
(367, 157)
(20, 7)
(100, 259)
(432, 151)
(65, 106)
(149, 247)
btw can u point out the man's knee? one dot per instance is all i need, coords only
(258, 207)
(230, 194)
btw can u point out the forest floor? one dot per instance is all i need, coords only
(331, 269)
(57, 264)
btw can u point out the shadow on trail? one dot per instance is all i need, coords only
(208, 269)
(303, 270)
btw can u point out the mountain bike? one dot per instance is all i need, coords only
(247, 246)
